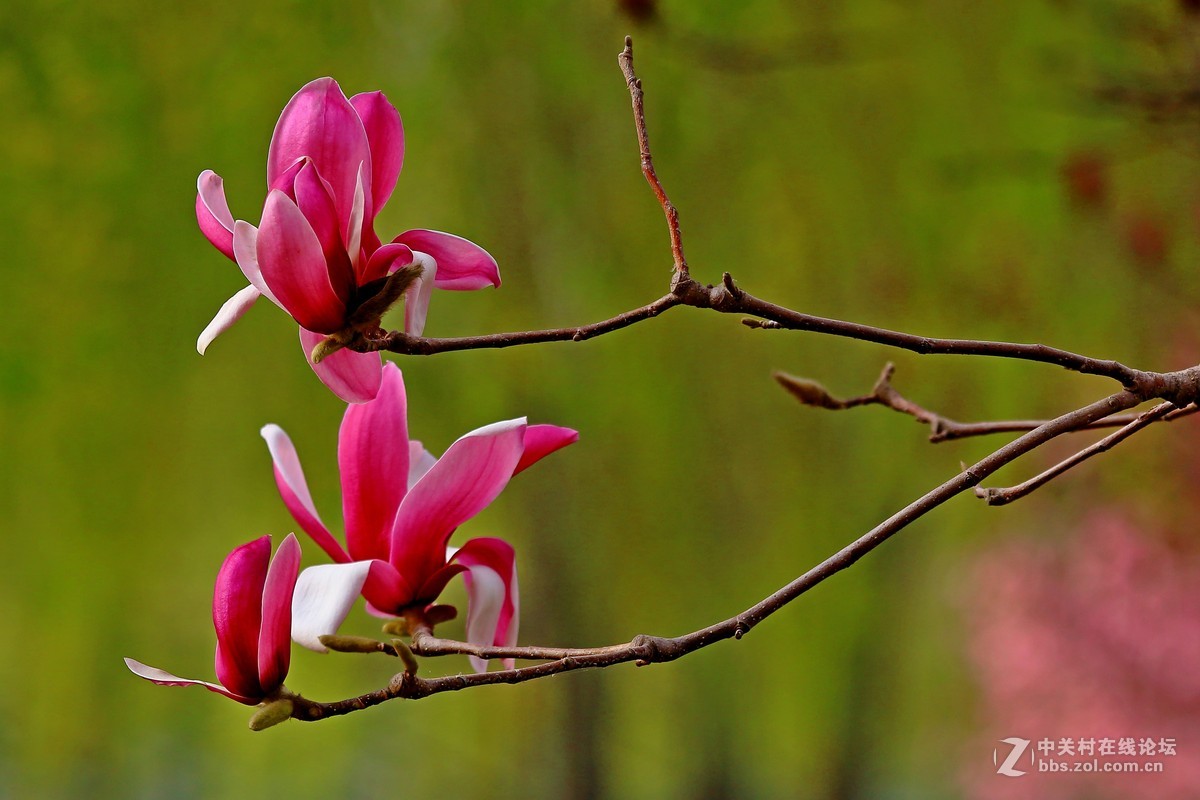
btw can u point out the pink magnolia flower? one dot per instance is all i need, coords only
(252, 612)
(401, 505)
(332, 165)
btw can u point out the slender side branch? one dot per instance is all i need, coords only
(1000, 497)
(652, 649)
(941, 428)
(639, 122)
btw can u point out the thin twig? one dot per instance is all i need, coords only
(1180, 388)
(653, 649)
(625, 59)
(1000, 497)
(941, 428)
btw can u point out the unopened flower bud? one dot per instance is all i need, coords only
(271, 713)
(350, 644)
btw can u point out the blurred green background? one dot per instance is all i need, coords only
(928, 166)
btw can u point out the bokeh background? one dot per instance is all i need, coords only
(1021, 171)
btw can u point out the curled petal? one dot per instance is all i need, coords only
(322, 599)
(289, 477)
(245, 251)
(294, 267)
(212, 212)
(541, 441)
(274, 638)
(354, 377)
(493, 598)
(373, 463)
(418, 294)
(231, 311)
(164, 678)
(470, 475)
(237, 616)
(386, 590)
(386, 260)
(462, 264)
(385, 133)
(319, 122)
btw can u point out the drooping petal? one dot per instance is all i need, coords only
(373, 463)
(462, 264)
(322, 599)
(313, 199)
(320, 123)
(212, 212)
(354, 377)
(237, 616)
(461, 484)
(289, 477)
(386, 260)
(385, 133)
(245, 251)
(294, 267)
(541, 441)
(274, 638)
(231, 311)
(493, 598)
(164, 678)
(418, 294)
(420, 461)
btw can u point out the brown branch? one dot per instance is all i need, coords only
(654, 649)
(625, 59)
(941, 428)
(1000, 497)
(1180, 388)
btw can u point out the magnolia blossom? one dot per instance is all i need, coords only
(252, 612)
(332, 165)
(401, 506)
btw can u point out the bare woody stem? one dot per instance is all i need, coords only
(1178, 389)
(645, 650)
(941, 428)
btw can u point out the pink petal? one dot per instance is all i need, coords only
(541, 441)
(354, 377)
(237, 616)
(386, 590)
(164, 678)
(274, 638)
(231, 311)
(320, 123)
(462, 264)
(313, 200)
(294, 266)
(386, 260)
(418, 294)
(245, 251)
(352, 234)
(493, 598)
(212, 212)
(420, 461)
(436, 582)
(322, 599)
(386, 136)
(289, 477)
(461, 484)
(373, 463)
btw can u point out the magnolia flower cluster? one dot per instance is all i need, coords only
(332, 164)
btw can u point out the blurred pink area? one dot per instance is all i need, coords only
(1092, 636)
